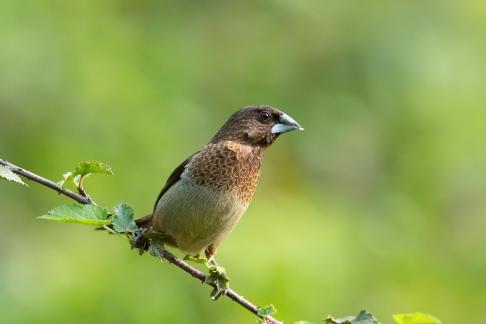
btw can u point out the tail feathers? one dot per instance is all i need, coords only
(144, 222)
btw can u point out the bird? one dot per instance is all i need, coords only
(207, 194)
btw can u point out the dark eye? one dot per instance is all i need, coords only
(265, 116)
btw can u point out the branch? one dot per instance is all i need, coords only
(164, 254)
(45, 182)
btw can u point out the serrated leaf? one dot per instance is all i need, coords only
(217, 276)
(344, 320)
(267, 310)
(363, 318)
(87, 167)
(77, 213)
(7, 174)
(123, 221)
(156, 247)
(84, 169)
(415, 318)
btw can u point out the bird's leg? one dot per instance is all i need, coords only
(217, 274)
(210, 253)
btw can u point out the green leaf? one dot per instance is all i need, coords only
(196, 259)
(217, 276)
(156, 247)
(415, 318)
(267, 310)
(84, 169)
(77, 213)
(123, 219)
(7, 174)
(363, 318)
(88, 167)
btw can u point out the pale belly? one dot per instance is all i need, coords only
(196, 217)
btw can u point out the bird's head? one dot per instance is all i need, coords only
(256, 125)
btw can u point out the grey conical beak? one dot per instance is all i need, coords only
(285, 124)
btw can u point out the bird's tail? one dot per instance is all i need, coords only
(145, 221)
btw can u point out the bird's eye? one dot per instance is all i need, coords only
(265, 116)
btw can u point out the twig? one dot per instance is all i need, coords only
(45, 182)
(231, 294)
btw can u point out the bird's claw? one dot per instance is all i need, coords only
(139, 241)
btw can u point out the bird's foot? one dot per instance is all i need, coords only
(139, 241)
(218, 278)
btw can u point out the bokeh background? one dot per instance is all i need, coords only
(379, 204)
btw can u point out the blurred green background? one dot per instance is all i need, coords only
(379, 204)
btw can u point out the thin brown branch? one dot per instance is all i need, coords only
(45, 182)
(231, 294)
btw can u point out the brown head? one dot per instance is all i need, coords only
(256, 125)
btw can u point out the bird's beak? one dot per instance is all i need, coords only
(285, 124)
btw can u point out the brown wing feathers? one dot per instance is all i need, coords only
(173, 178)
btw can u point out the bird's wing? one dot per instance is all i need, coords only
(173, 178)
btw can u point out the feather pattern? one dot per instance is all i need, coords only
(212, 193)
